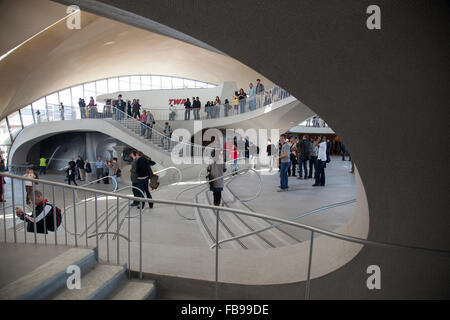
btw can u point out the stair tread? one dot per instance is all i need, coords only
(135, 290)
(43, 273)
(90, 282)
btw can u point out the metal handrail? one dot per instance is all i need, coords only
(239, 211)
(244, 235)
(172, 168)
(161, 135)
(303, 226)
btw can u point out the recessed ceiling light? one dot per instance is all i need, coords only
(109, 43)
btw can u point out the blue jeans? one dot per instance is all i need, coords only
(114, 181)
(284, 174)
(242, 105)
(143, 185)
(320, 172)
(303, 162)
(143, 129)
(187, 114)
(234, 166)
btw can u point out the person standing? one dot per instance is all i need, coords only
(313, 152)
(71, 173)
(198, 107)
(226, 107)
(329, 145)
(99, 169)
(303, 155)
(133, 178)
(167, 135)
(215, 172)
(259, 93)
(217, 104)
(150, 121)
(61, 110)
(42, 165)
(29, 173)
(88, 169)
(321, 161)
(106, 168)
(143, 121)
(285, 163)
(80, 169)
(119, 107)
(171, 113)
(82, 106)
(187, 112)
(235, 103)
(242, 100)
(114, 168)
(271, 153)
(144, 174)
(252, 97)
(292, 157)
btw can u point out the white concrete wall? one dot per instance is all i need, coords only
(159, 99)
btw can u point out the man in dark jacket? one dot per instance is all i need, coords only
(187, 112)
(303, 155)
(43, 213)
(80, 168)
(143, 174)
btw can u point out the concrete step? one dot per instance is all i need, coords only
(49, 277)
(97, 284)
(135, 290)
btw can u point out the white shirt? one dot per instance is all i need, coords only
(322, 151)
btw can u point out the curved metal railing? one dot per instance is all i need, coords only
(223, 210)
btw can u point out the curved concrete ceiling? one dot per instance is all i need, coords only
(60, 58)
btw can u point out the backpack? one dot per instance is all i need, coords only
(51, 227)
(118, 173)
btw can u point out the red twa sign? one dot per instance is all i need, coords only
(177, 101)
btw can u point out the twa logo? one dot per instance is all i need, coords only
(177, 101)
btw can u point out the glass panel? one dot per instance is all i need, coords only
(4, 133)
(156, 82)
(90, 86)
(146, 83)
(14, 123)
(135, 82)
(27, 116)
(177, 83)
(166, 82)
(102, 87)
(113, 85)
(64, 97)
(124, 83)
(53, 98)
(77, 93)
(211, 85)
(40, 110)
(89, 91)
(199, 84)
(189, 83)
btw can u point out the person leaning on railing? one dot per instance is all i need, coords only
(242, 100)
(235, 103)
(44, 212)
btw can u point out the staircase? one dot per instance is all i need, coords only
(99, 281)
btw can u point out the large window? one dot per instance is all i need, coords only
(47, 108)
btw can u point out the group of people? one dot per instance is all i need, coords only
(86, 111)
(255, 99)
